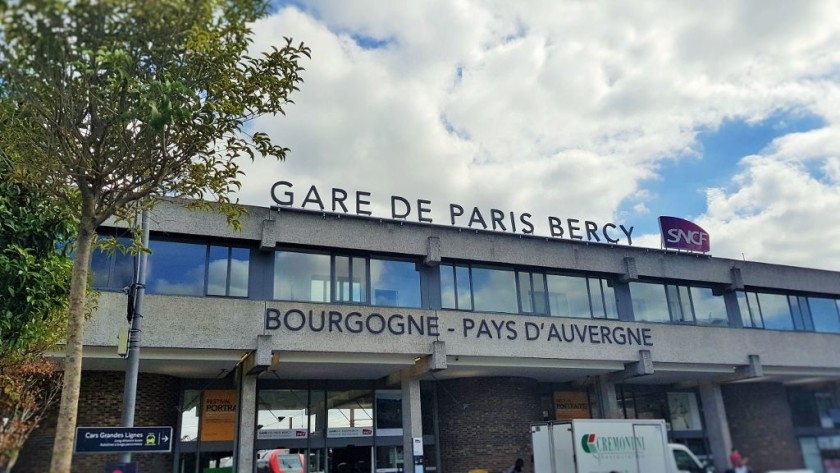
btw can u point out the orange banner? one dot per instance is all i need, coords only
(218, 415)
(571, 405)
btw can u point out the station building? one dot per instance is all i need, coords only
(347, 340)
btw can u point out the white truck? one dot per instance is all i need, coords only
(609, 446)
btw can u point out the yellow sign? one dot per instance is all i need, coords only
(218, 415)
(571, 405)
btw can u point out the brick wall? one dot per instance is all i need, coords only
(485, 422)
(100, 404)
(761, 426)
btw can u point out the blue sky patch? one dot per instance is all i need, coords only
(369, 42)
(680, 189)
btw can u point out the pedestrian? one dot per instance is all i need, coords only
(516, 467)
(739, 463)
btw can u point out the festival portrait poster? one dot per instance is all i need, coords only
(218, 415)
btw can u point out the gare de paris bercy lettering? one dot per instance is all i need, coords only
(333, 321)
(339, 200)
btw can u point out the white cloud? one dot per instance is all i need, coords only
(563, 108)
(778, 213)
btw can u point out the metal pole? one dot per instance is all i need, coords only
(133, 366)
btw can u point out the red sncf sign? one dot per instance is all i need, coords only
(681, 234)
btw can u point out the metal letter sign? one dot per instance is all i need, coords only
(683, 235)
(123, 439)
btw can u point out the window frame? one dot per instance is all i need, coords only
(366, 296)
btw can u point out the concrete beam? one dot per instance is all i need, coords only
(643, 367)
(268, 241)
(260, 359)
(631, 273)
(411, 417)
(246, 426)
(737, 279)
(436, 361)
(432, 251)
(753, 369)
(717, 425)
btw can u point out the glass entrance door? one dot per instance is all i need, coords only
(350, 460)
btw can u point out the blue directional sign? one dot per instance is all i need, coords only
(123, 439)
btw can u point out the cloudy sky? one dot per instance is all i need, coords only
(725, 113)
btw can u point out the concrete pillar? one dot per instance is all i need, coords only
(411, 418)
(717, 427)
(607, 401)
(246, 427)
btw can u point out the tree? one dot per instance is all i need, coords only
(127, 100)
(34, 282)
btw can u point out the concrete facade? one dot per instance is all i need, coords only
(492, 373)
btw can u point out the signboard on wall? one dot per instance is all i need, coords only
(123, 439)
(218, 415)
(350, 432)
(571, 405)
(680, 234)
(685, 414)
(276, 434)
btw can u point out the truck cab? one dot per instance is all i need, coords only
(686, 461)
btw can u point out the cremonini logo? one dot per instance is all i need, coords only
(588, 443)
(612, 444)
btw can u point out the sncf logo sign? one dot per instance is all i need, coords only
(681, 234)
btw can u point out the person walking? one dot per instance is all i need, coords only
(739, 463)
(516, 467)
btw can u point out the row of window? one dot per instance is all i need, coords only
(189, 269)
(467, 287)
(198, 269)
(316, 277)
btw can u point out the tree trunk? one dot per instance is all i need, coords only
(8, 463)
(65, 432)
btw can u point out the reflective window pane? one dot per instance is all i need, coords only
(755, 308)
(745, 309)
(349, 409)
(114, 270)
(538, 282)
(190, 416)
(525, 291)
(685, 303)
(282, 410)
(317, 416)
(674, 306)
(176, 268)
(388, 412)
(609, 299)
(217, 271)
(301, 276)
(775, 311)
(360, 280)
(797, 312)
(351, 279)
(463, 284)
(494, 290)
(825, 314)
(389, 459)
(342, 279)
(395, 283)
(596, 300)
(649, 302)
(239, 268)
(709, 309)
(447, 287)
(568, 296)
(100, 269)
